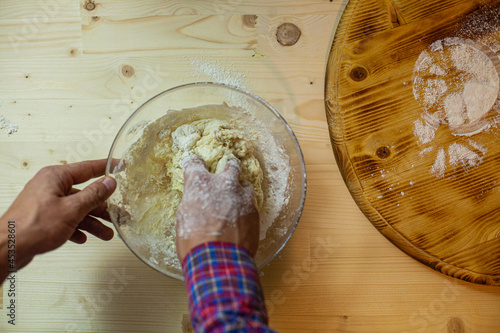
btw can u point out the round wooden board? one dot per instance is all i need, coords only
(426, 179)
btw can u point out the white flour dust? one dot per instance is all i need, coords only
(472, 88)
(219, 70)
(459, 154)
(457, 86)
(8, 126)
(425, 133)
(483, 28)
(426, 150)
(477, 146)
(439, 165)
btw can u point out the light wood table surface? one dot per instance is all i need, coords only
(71, 74)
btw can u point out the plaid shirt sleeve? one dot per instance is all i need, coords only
(224, 291)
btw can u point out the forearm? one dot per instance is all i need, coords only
(223, 288)
(8, 253)
(4, 265)
(14, 253)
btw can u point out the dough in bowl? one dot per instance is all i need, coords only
(151, 181)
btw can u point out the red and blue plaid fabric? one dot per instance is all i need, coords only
(224, 291)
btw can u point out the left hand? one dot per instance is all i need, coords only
(49, 211)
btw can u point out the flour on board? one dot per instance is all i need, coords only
(457, 86)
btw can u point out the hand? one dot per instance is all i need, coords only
(49, 211)
(215, 208)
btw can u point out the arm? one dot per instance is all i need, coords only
(217, 236)
(49, 211)
(224, 291)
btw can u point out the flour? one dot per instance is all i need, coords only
(483, 27)
(436, 46)
(186, 136)
(434, 90)
(426, 150)
(425, 133)
(439, 166)
(219, 71)
(460, 154)
(468, 59)
(424, 61)
(454, 106)
(8, 126)
(477, 146)
(227, 206)
(479, 98)
(150, 179)
(475, 82)
(436, 70)
(457, 85)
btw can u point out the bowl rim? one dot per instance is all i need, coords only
(252, 96)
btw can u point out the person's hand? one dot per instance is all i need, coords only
(215, 208)
(49, 210)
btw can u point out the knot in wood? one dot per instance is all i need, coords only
(455, 325)
(250, 20)
(128, 71)
(89, 5)
(383, 152)
(358, 74)
(288, 34)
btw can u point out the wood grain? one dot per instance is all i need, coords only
(337, 273)
(450, 224)
(116, 8)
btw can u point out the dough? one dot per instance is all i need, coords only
(152, 187)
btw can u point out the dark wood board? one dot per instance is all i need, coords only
(436, 197)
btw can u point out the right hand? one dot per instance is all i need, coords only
(215, 208)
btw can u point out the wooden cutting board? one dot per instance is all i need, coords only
(413, 112)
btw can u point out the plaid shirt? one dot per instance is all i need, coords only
(224, 291)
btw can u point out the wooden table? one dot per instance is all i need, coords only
(71, 73)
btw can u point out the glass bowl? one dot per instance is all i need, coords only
(250, 112)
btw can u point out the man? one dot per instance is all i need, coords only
(217, 235)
